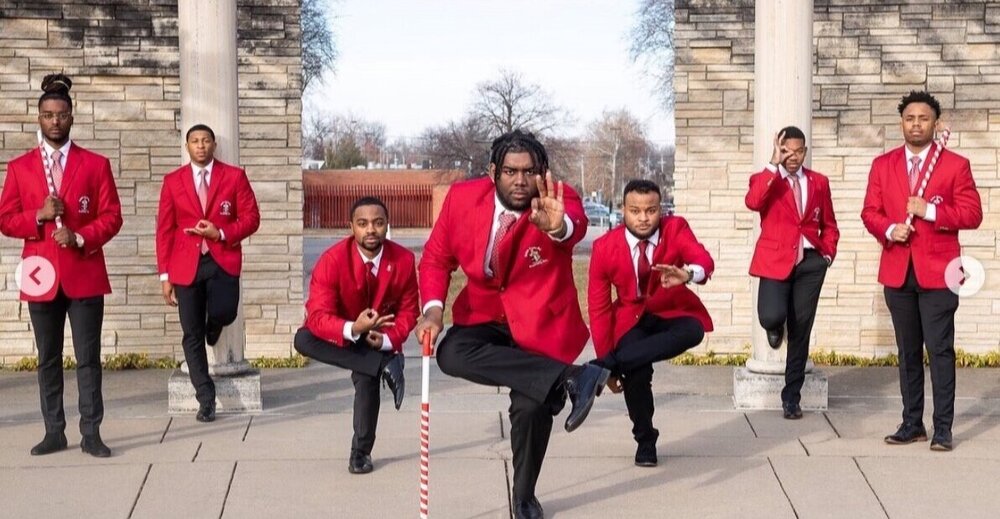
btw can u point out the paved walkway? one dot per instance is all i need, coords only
(291, 461)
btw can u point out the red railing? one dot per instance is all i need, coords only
(327, 207)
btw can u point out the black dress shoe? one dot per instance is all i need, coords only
(392, 375)
(92, 444)
(52, 442)
(774, 337)
(907, 433)
(645, 455)
(528, 509)
(582, 387)
(206, 413)
(212, 333)
(791, 411)
(360, 463)
(941, 440)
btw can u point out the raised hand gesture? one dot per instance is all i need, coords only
(547, 211)
(781, 153)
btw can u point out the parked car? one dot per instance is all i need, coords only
(596, 213)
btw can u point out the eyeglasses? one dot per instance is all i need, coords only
(511, 172)
(62, 116)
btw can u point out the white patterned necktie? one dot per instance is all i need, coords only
(57, 169)
(914, 171)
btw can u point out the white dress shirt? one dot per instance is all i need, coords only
(348, 336)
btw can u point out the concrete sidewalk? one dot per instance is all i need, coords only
(291, 461)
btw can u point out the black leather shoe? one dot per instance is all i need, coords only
(52, 442)
(791, 411)
(907, 433)
(360, 463)
(212, 333)
(92, 444)
(582, 388)
(645, 455)
(528, 509)
(206, 413)
(941, 440)
(774, 337)
(392, 375)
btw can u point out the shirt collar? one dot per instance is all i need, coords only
(498, 208)
(377, 260)
(633, 240)
(63, 150)
(208, 168)
(785, 174)
(923, 154)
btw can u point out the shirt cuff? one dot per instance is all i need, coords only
(931, 213)
(569, 230)
(348, 336)
(222, 235)
(888, 232)
(79, 239)
(164, 277)
(431, 304)
(386, 343)
(698, 273)
(771, 167)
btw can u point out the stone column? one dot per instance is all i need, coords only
(209, 95)
(783, 68)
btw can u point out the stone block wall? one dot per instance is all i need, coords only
(124, 60)
(867, 56)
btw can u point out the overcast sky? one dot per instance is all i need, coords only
(413, 64)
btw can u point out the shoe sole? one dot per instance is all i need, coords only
(601, 381)
(914, 440)
(645, 464)
(940, 448)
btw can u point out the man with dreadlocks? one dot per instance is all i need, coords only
(517, 322)
(62, 201)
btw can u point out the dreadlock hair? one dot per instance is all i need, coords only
(518, 141)
(56, 86)
(367, 200)
(641, 186)
(921, 96)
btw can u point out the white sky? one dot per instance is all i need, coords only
(415, 63)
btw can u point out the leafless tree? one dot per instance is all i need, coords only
(463, 144)
(617, 146)
(652, 45)
(319, 50)
(509, 102)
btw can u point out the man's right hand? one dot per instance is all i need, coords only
(432, 322)
(168, 293)
(52, 208)
(780, 154)
(369, 320)
(901, 232)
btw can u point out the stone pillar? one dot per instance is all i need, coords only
(783, 68)
(209, 92)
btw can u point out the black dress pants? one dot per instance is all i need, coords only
(86, 317)
(486, 354)
(211, 300)
(366, 365)
(919, 317)
(793, 302)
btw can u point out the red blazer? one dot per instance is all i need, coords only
(611, 265)
(933, 244)
(781, 226)
(535, 295)
(232, 207)
(92, 210)
(338, 291)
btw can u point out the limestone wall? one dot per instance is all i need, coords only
(867, 55)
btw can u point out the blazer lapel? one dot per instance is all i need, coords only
(187, 180)
(384, 276)
(217, 180)
(483, 219)
(508, 247)
(900, 174)
(38, 173)
(69, 172)
(811, 200)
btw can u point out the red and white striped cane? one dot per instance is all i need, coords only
(425, 419)
(942, 142)
(47, 164)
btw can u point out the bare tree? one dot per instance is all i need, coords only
(617, 146)
(652, 39)
(463, 144)
(319, 49)
(508, 102)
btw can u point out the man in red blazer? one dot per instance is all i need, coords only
(915, 259)
(363, 302)
(63, 268)
(517, 321)
(797, 244)
(655, 317)
(207, 208)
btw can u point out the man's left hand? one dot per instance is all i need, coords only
(205, 229)
(671, 276)
(547, 211)
(916, 206)
(375, 340)
(64, 237)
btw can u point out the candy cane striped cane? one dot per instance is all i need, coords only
(942, 142)
(425, 418)
(47, 163)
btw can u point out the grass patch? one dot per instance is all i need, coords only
(294, 361)
(963, 359)
(116, 362)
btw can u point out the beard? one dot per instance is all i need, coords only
(510, 205)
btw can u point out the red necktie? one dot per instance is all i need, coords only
(203, 198)
(797, 192)
(914, 172)
(371, 282)
(506, 221)
(645, 270)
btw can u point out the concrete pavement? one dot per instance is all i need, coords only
(290, 461)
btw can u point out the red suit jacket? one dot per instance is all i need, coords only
(232, 207)
(338, 291)
(533, 292)
(932, 245)
(92, 210)
(611, 265)
(781, 226)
